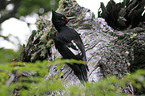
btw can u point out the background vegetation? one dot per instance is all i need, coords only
(27, 79)
(25, 7)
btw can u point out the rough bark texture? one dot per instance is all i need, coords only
(39, 43)
(109, 52)
(122, 15)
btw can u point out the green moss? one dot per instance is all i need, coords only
(7, 55)
(32, 81)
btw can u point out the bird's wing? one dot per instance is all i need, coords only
(73, 49)
(77, 48)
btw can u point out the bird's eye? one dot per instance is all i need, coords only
(62, 18)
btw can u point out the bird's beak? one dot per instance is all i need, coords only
(67, 19)
(70, 18)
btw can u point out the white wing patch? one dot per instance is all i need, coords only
(76, 50)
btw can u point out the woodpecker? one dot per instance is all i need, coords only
(69, 44)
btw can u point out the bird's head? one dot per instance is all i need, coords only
(59, 19)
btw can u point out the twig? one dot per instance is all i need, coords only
(12, 77)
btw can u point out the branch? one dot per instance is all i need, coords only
(12, 77)
(2, 4)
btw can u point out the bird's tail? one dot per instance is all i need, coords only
(80, 70)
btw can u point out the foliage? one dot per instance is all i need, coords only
(38, 6)
(33, 79)
(18, 8)
(7, 55)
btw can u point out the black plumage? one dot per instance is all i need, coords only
(69, 45)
